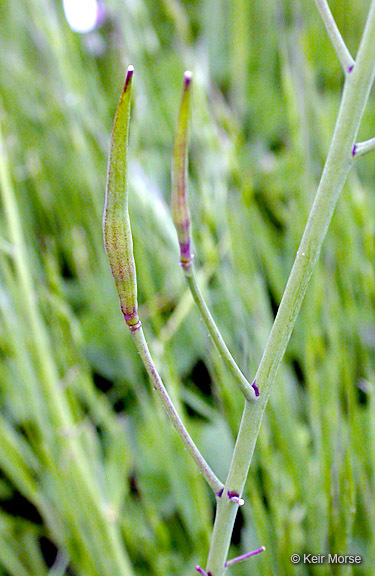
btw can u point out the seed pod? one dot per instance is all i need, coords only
(116, 224)
(180, 208)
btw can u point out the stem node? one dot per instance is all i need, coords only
(255, 388)
(361, 148)
(235, 498)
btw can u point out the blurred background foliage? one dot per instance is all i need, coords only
(93, 479)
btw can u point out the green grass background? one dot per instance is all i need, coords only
(103, 484)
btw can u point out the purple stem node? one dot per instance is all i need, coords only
(235, 498)
(186, 264)
(255, 388)
(135, 327)
(350, 69)
(354, 150)
(232, 494)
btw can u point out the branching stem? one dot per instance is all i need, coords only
(339, 161)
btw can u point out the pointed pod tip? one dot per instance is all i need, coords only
(187, 78)
(128, 78)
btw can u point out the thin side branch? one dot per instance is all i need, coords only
(334, 34)
(249, 391)
(159, 387)
(244, 557)
(181, 219)
(362, 148)
(119, 247)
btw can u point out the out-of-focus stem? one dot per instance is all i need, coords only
(59, 411)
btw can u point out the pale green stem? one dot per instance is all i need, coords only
(338, 43)
(159, 387)
(362, 148)
(339, 161)
(248, 391)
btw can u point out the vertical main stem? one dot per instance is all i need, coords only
(338, 164)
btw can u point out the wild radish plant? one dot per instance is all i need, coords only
(343, 152)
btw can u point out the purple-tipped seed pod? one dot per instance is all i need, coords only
(180, 208)
(118, 240)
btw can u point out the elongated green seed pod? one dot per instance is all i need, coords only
(116, 224)
(180, 208)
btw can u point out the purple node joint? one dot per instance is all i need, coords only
(350, 68)
(354, 150)
(201, 571)
(132, 320)
(255, 388)
(135, 327)
(220, 493)
(186, 264)
(235, 498)
(129, 317)
(186, 257)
